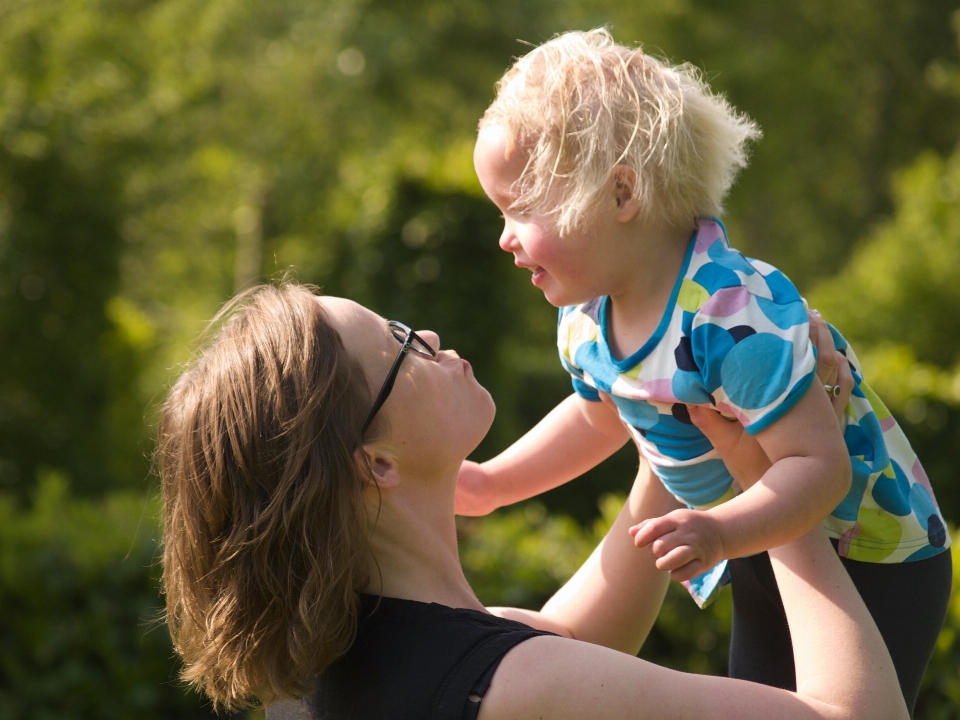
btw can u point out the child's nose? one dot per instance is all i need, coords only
(508, 240)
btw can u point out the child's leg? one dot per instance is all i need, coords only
(908, 601)
(760, 647)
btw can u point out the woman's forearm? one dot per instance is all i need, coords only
(838, 651)
(614, 598)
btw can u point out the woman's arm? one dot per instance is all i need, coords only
(844, 671)
(574, 437)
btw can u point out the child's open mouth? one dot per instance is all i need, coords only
(539, 274)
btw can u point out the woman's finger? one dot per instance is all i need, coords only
(721, 432)
(812, 317)
(844, 383)
(822, 338)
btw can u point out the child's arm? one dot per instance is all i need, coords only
(809, 476)
(574, 437)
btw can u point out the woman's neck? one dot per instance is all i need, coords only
(413, 547)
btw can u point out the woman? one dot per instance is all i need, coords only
(309, 460)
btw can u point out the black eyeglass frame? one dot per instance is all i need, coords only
(407, 338)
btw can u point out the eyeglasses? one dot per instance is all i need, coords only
(409, 341)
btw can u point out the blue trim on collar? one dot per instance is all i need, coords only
(631, 361)
(718, 221)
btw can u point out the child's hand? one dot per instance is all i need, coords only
(474, 493)
(684, 542)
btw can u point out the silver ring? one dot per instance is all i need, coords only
(832, 390)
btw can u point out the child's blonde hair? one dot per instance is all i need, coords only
(580, 105)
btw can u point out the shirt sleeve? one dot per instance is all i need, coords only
(752, 347)
(572, 331)
(584, 390)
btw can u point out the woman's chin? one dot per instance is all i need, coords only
(484, 412)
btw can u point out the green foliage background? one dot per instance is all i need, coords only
(156, 155)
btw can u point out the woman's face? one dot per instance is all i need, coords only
(437, 412)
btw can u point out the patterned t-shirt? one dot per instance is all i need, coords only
(735, 336)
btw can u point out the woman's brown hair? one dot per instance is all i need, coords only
(264, 519)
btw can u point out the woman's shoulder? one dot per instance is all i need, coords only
(409, 660)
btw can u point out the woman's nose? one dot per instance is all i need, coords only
(431, 338)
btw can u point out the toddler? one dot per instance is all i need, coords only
(610, 168)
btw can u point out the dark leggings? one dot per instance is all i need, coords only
(908, 601)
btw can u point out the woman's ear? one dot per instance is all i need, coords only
(624, 184)
(377, 466)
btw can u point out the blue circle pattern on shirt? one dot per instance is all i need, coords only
(783, 315)
(716, 277)
(710, 344)
(893, 494)
(639, 413)
(922, 504)
(698, 487)
(763, 353)
(729, 258)
(675, 438)
(760, 355)
(782, 289)
(589, 359)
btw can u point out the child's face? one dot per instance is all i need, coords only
(563, 268)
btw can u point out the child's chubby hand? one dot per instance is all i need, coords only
(475, 494)
(685, 543)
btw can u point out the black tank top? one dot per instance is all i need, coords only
(410, 661)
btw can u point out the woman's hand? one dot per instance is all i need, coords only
(741, 453)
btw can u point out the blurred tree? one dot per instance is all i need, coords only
(155, 155)
(206, 144)
(65, 371)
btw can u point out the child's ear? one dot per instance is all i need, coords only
(377, 466)
(624, 184)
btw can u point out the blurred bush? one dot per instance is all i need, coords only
(79, 604)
